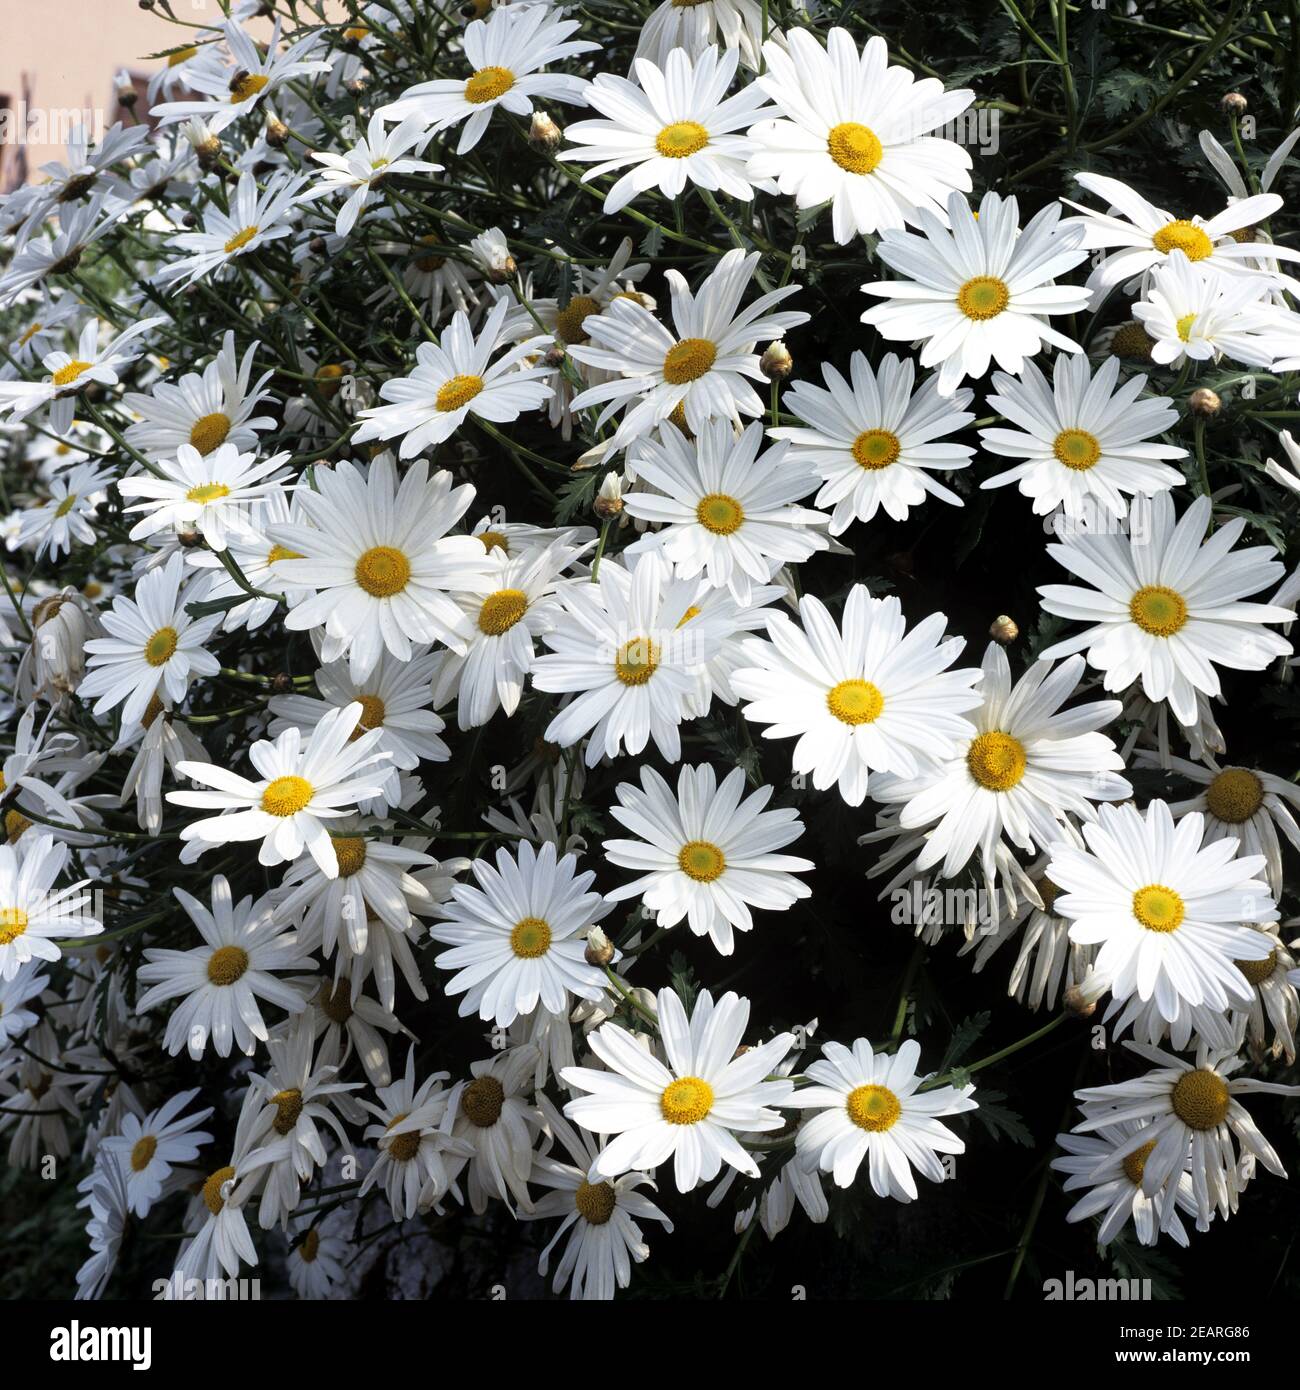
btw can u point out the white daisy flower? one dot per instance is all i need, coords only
(153, 646)
(704, 366)
(69, 375)
(34, 915)
(253, 220)
(872, 1107)
(855, 132)
(516, 603)
(109, 1206)
(735, 24)
(204, 410)
(494, 1117)
(1028, 766)
(1246, 804)
(16, 992)
(1289, 478)
(197, 493)
(1115, 1185)
(726, 511)
(599, 1218)
(873, 441)
(60, 254)
(505, 53)
(220, 982)
(319, 1259)
(1192, 313)
(418, 1157)
(356, 1024)
(395, 698)
(1168, 911)
(41, 326)
(690, 1110)
(224, 94)
(869, 697)
(1193, 1113)
(981, 291)
(377, 561)
(626, 647)
(361, 171)
(455, 378)
(519, 938)
(1084, 443)
(706, 854)
(66, 519)
(1165, 607)
(1141, 235)
(299, 791)
(150, 1147)
(674, 124)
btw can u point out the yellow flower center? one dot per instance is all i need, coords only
(1257, 971)
(996, 760)
(681, 139)
(691, 612)
(16, 825)
(637, 661)
(1135, 1165)
(530, 938)
(288, 1108)
(501, 611)
(983, 298)
(161, 647)
(494, 540)
(65, 376)
(568, 322)
(873, 1108)
(66, 505)
(209, 432)
(335, 1002)
(1235, 795)
(280, 552)
(1200, 1099)
(350, 851)
(855, 702)
(482, 1100)
(701, 861)
(240, 240)
(458, 392)
(403, 1147)
(1049, 892)
(1184, 326)
(855, 147)
(29, 334)
(212, 1198)
(246, 85)
(1077, 450)
(309, 1247)
(687, 1101)
(13, 920)
(383, 571)
(1157, 610)
(487, 84)
(594, 1201)
(1158, 908)
(875, 449)
(1132, 341)
(227, 964)
(689, 360)
(182, 55)
(207, 492)
(286, 796)
(142, 1152)
(1183, 236)
(720, 514)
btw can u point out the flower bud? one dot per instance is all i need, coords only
(609, 500)
(277, 133)
(1076, 1002)
(544, 134)
(554, 356)
(1004, 629)
(1204, 402)
(1234, 104)
(600, 949)
(776, 363)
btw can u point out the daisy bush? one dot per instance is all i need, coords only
(647, 652)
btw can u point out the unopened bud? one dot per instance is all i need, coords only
(776, 363)
(277, 133)
(1004, 629)
(503, 271)
(1077, 1003)
(190, 540)
(356, 86)
(318, 246)
(282, 683)
(554, 356)
(127, 97)
(543, 133)
(609, 500)
(600, 949)
(1204, 402)
(1234, 104)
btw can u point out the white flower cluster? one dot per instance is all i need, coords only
(259, 592)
